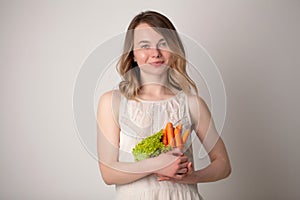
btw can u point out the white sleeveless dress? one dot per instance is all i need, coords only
(138, 120)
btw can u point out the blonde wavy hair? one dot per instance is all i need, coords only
(128, 68)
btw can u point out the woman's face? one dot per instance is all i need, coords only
(150, 50)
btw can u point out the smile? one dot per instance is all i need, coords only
(157, 64)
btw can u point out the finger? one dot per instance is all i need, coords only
(182, 171)
(190, 168)
(179, 176)
(163, 178)
(176, 152)
(190, 165)
(183, 165)
(183, 159)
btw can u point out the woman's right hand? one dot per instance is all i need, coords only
(173, 164)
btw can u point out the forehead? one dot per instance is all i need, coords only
(145, 32)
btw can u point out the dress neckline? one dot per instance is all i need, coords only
(160, 101)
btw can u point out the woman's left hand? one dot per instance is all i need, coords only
(187, 179)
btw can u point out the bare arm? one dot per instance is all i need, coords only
(219, 168)
(115, 172)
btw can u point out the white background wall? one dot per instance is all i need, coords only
(254, 43)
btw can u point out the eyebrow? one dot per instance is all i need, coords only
(146, 41)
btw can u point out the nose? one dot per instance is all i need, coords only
(155, 53)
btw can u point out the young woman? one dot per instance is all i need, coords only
(155, 90)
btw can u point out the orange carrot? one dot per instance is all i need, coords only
(170, 134)
(185, 135)
(165, 138)
(178, 138)
(166, 128)
(179, 126)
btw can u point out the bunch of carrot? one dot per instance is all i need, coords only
(172, 135)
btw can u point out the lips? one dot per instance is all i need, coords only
(157, 63)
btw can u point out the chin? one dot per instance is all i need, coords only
(154, 69)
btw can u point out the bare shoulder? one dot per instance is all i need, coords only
(110, 94)
(199, 112)
(109, 105)
(109, 97)
(198, 104)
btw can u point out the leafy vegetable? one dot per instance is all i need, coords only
(150, 147)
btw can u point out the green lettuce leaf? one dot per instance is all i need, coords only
(150, 147)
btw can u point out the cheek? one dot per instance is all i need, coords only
(140, 56)
(168, 56)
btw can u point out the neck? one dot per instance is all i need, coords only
(154, 85)
(153, 79)
(155, 89)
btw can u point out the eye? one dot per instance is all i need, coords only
(145, 46)
(162, 45)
